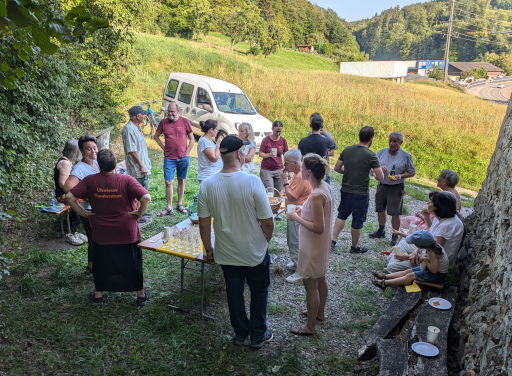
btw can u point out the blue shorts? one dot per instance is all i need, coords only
(171, 164)
(427, 276)
(357, 205)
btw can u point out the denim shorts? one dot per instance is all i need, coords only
(144, 181)
(357, 205)
(172, 164)
(427, 276)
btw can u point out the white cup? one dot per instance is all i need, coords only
(397, 250)
(274, 150)
(423, 265)
(291, 208)
(412, 228)
(270, 194)
(433, 332)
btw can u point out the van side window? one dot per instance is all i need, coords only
(172, 87)
(202, 97)
(185, 94)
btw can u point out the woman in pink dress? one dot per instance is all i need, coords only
(314, 241)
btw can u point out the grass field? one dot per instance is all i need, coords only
(443, 127)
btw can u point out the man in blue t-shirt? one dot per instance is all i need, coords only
(318, 141)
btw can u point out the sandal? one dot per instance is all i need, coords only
(305, 313)
(181, 209)
(165, 212)
(299, 331)
(379, 283)
(378, 275)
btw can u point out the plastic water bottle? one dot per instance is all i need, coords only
(52, 198)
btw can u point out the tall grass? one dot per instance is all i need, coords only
(443, 128)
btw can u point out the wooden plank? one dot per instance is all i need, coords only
(393, 357)
(399, 307)
(431, 316)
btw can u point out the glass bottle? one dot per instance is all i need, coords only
(192, 210)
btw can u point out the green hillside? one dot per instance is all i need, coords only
(443, 127)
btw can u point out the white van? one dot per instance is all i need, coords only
(230, 106)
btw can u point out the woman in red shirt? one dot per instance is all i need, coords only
(115, 231)
(272, 149)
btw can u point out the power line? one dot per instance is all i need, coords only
(487, 19)
(479, 40)
(483, 31)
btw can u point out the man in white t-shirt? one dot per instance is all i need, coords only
(243, 225)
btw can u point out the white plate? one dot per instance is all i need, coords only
(425, 349)
(444, 304)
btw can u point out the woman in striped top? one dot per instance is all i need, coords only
(434, 259)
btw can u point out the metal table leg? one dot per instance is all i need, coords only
(61, 226)
(182, 283)
(69, 225)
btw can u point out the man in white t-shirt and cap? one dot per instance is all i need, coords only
(243, 225)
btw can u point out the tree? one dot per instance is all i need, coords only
(436, 73)
(35, 28)
(199, 16)
(235, 22)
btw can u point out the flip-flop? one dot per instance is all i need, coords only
(166, 211)
(300, 332)
(182, 209)
(305, 313)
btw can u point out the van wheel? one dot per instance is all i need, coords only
(220, 135)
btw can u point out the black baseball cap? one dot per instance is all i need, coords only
(136, 110)
(232, 143)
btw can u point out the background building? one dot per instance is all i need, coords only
(455, 69)
(393, 70)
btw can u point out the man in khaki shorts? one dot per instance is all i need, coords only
(390, 191)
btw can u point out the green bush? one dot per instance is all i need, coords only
(255, 50)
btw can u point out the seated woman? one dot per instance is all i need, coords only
(446, 181)
(446, 226)
(435, 259)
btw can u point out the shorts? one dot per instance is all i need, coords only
(171, 164)
(144, 181)
(390, 197)
(427, 276)
(357, 205)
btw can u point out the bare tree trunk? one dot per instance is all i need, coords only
(485, 345)
(232, 45)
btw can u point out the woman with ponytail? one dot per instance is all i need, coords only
(208, 153)
(315, 220)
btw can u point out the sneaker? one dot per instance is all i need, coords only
(147, 214)
(81, 236)
(72, 239)
(142, 301)
(294, 278)
(291, 265)
(267, 337)
(143, 219)
(241, 341)
(96, 302)
(394, 240)
(359, 249)
(377, 234)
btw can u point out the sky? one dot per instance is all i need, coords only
(352, 10)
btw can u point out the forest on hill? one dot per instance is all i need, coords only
(481, 32)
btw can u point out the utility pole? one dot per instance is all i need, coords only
(449, 36)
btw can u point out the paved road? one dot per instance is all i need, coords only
(491, 92)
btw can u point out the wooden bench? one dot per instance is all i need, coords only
(64, 211)
(397, 310)
(394, 353)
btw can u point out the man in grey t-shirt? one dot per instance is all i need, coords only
(136, 155)
(390, 191)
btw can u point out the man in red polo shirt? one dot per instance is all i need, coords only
(176, 131)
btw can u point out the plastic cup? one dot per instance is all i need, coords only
(412, 228)
(423, 265)
(270, 194)
(397, 250)
(291, 208)
(274, 150)
(167, 234)
(433, 332)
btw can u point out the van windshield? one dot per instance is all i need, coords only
(233, 103)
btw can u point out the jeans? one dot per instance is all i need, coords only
(258, 279)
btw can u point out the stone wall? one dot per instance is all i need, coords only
(485, 262)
